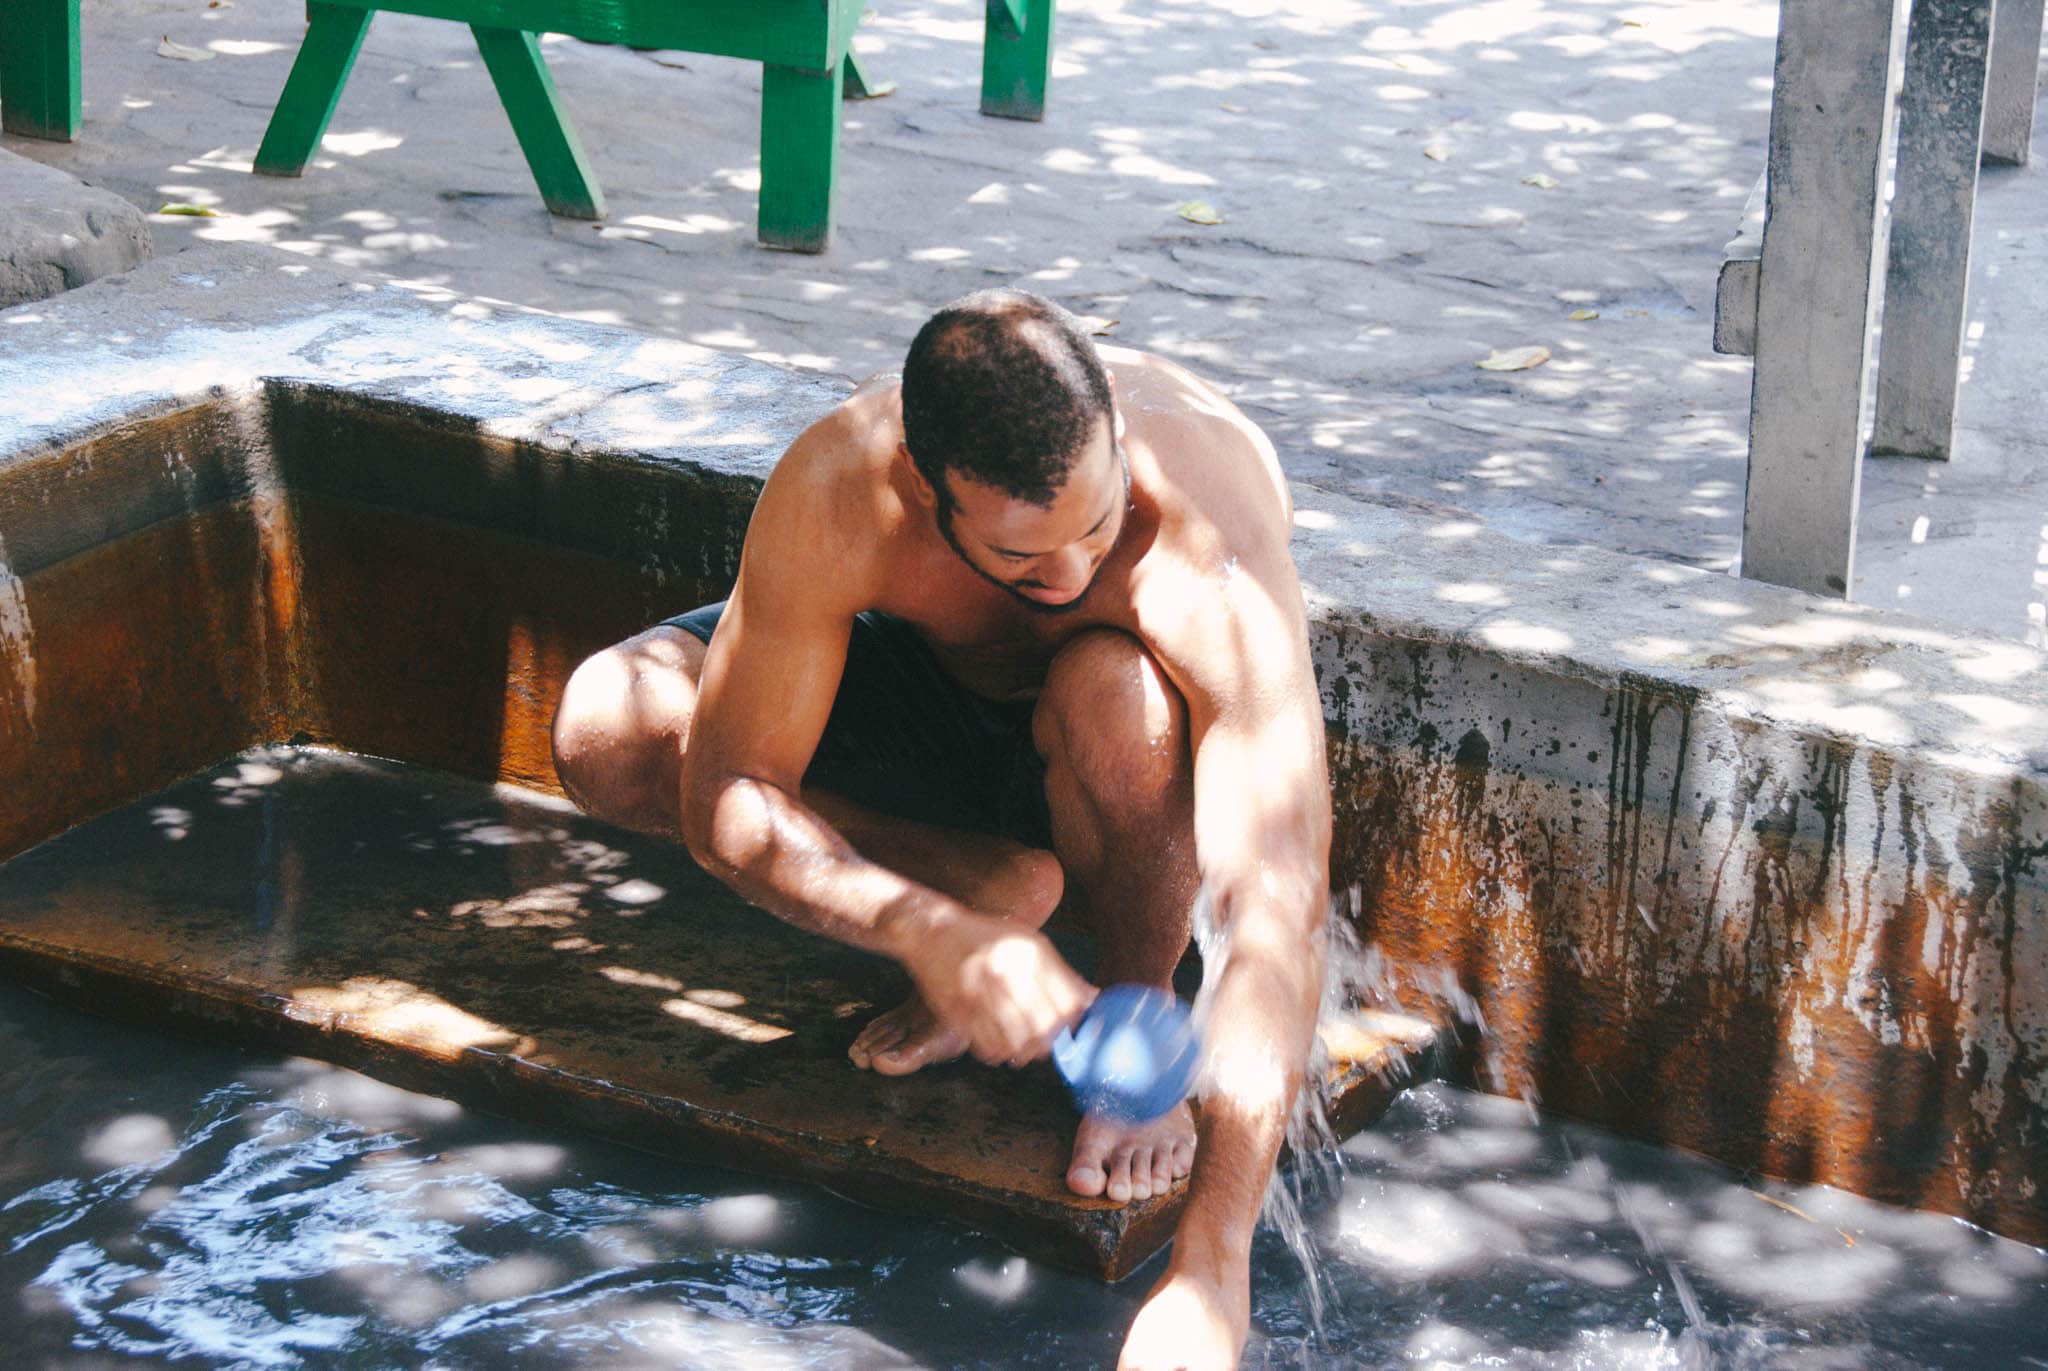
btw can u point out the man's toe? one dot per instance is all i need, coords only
(901, 1058)
(1120, 1176)
(1086, 1178)
(874, 1040)
(1162, 1170)
(1141, 1174)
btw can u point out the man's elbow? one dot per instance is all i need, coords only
(709, 798)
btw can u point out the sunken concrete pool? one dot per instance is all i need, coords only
(292, 569)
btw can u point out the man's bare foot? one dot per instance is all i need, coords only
(904, 1039)
(1125, 1162)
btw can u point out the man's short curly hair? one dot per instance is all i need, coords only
(1004, 388)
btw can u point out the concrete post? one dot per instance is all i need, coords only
(2015, 74)
(1927, 274)
(1831, 126)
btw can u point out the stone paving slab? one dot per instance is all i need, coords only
(498, 948)
(56, 233)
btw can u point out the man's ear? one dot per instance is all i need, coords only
(926, 496)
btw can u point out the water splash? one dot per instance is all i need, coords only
(17, 635)
(1359, 981)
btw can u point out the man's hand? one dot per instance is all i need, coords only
(1192, 1321)
(999, 984)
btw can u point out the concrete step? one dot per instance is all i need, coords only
(495, 947)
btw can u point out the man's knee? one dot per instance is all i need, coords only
(622, 721)
(1110, 715)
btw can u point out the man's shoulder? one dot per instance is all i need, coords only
(849, 449)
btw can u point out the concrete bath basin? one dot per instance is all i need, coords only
(1715, 863)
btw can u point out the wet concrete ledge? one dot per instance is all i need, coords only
(1723, 865)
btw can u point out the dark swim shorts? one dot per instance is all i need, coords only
(905, 738)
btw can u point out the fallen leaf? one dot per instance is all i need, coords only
(190, 211)
(1098, 325)
(1436, 152)
(876, 91)
(220, 4)
(1262, 43)
(1199, 212)
(1229, 108)
(1540, 180)
(1632, 23)
(1580, 316)
(669, 62)
(1847, 1241)
(181, 53)
(1514, 359)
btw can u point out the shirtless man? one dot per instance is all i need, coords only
(1013, 628)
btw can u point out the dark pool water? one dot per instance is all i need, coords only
(174, 1204)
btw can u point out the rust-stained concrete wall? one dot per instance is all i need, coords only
(1723, 864)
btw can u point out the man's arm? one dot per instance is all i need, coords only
(764, 696)
(1262, 828)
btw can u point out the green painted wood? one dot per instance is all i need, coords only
(1016, 52)
(39, 69)
(797, 33)
(542, 126)
(333, 38)
(860, 85)
(799, 147)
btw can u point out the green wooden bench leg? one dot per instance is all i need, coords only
(333, 37)
(859, 84)
(1016, 50)
(39, 74)
(541, 124)
(799, 146)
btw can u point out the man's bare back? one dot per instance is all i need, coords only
(1088, 551)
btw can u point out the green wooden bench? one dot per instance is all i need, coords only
(39, 68)
(804, 47)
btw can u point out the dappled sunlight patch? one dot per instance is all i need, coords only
(399, 1011)
(997, 1283)
(361, 143)
(129, 1140)
(724, 1021)
(1514, 635)
(321, 1091)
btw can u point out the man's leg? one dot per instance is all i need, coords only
(1119, 782)
(619, 738)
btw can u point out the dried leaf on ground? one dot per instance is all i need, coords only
(662, 60)
(1099, 325)
(179, 52)
(1199, 212)
(190, 211)
(1514, 359)
(876, 91)
(1541, 180)
(1229, 108)
(1436, 152)
(1580, 316)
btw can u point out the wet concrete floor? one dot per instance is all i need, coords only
(496, 947)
